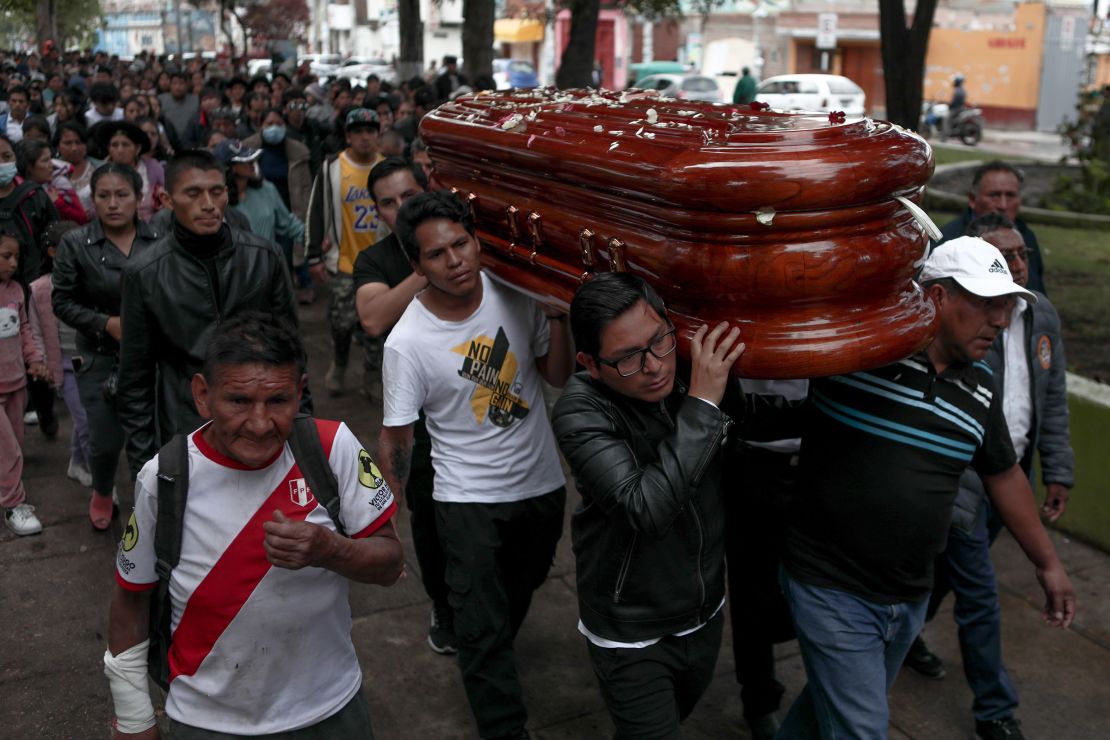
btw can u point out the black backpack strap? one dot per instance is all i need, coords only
(173, 491)
(314, 465)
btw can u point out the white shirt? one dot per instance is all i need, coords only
(601, 642)
(15, 129)
(256, 649)
(477, 381)
(791, 390)
(1017, 401)
(93, 117)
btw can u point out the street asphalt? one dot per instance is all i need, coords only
(54, 591)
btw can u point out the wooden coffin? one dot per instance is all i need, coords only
(786, 224)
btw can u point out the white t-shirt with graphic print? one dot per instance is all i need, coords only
(255, 649)
(481, 392)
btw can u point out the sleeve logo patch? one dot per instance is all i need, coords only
(1044, 351)
(131, 534)
(368, 474)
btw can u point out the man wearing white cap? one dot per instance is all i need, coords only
(1030, 375)
(881, 458)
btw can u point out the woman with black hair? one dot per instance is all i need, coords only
(87, 275)
(35, 162)
(71, 145)
(125, 143)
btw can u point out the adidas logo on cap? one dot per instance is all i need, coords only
(997, 266)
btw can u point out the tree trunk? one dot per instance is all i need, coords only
(411, 63)
(45, 27)
(477, 39)
(577, 65)
(903, 51)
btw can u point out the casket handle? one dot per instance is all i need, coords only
(536, 228)
(514, 227)
(586, 242)
(616, 255)
(472, 204)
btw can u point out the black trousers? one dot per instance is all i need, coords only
(352, 722)
(650, 690)
(105, 433)
(755, 533)
(497, 556)
(422, 517)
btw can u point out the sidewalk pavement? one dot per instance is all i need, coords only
(1041, 146)
(54, 591)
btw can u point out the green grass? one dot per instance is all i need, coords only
(947, 155)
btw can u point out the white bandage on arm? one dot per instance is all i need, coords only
(126, 674)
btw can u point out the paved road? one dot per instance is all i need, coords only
(1036, 145)
(54, 592)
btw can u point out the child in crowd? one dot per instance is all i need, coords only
(60, 347)
(19, 355)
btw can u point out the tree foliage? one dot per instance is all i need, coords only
(75, 21)
(267, 20)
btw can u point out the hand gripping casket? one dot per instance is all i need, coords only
(796, 227)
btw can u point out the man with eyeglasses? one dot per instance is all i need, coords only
(1029, 371)
(646, 448)
(471, 353)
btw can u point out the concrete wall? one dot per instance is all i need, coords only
(1001, 66)
(1088, 514)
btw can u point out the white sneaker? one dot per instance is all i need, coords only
(31, 418)
(79, 473)
(22, 520)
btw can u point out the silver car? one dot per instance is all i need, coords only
(684, 87)
(813, 92)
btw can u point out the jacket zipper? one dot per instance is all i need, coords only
(701, 547)
(626, 565)
(717, 441)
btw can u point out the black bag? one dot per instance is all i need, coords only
(173, 490)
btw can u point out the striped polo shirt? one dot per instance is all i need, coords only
(881, 459)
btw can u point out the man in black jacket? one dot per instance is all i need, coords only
(200, 273)
(649, 534)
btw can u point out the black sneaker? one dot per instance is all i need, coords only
(441, 636)
(923, 661)
(999, 729)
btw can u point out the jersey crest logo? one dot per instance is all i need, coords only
(299, 492)
(368, 473)
(131, 534)
(1044, 351)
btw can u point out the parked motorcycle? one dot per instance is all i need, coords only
(968, 126)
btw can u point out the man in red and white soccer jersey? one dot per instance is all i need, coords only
(261, 639)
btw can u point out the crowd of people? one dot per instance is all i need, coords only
(159, 225)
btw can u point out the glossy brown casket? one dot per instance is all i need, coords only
(786, 224)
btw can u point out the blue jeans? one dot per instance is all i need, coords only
(852, 649)
(966, 569)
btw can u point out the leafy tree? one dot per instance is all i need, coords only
(275, 19)
(903, 51)
(68, 22)
(577, 64)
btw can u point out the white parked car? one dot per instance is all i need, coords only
(813, 92)
(684, 87)
(357, 69)
(257, 67)
(323, 65)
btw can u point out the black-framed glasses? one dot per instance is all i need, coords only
(633, 362)
(1013, 255)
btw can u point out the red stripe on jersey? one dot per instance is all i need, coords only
(234, 577)
(128, 586)
(378, 523)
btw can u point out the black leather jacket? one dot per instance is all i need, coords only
(648, 536)
(169, 313)
(88, 270)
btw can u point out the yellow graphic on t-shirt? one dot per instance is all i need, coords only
(360, 225)
(131, 534)
(368, 473)
(493, 368)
